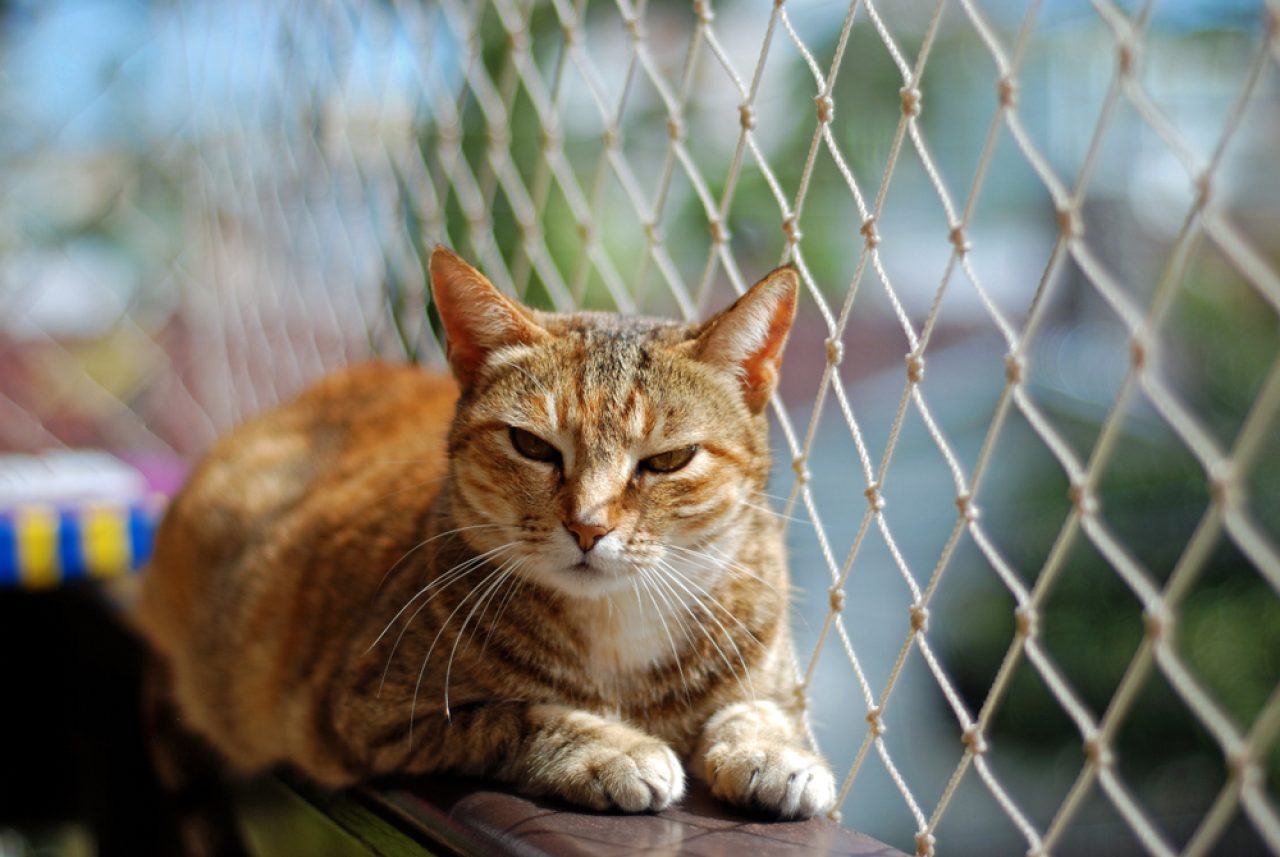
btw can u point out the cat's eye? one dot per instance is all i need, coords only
(669, 461)
(530, 445)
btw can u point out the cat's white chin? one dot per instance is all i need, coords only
(582, 576)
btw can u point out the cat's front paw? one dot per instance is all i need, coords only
(624, 770)
(780, 780)
(647, 777)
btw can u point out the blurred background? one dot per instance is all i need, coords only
(205, 205)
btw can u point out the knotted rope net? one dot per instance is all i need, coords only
(1032, 240)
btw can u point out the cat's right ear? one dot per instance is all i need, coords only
(478, 319)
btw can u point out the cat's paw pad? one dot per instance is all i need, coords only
(784, 781)
(643, 777)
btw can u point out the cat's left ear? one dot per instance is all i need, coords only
(478, 319)
(747, 338)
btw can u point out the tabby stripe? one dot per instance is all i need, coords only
(325, 722)
(512, 653)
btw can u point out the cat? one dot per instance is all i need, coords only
(556, 568)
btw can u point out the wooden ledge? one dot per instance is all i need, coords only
(443, 816)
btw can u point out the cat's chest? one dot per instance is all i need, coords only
(636, 630)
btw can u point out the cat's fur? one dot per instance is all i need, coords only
(362, 583)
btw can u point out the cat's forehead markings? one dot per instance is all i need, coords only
(659, 420)
(638, 416)
(512, 355)
(552, 415)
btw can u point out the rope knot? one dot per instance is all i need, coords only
(911, 99)
(870, 233)
(718, 233)
(675, 128)
(1082, 498)
(448, 134)
(873, 718)
(1223, 489)
(915, 368)
(498, 137)
(569, 34)
(835, 351)
(791, 229)
(548, 137)
(924, 844)
(1097, 751)
(585, 231)
(874, 497)
(919, 617)
(1138, 352)
(836, 597)
(1007, 90)
(1026, 621)
(1241, 767)
(610, 137)
(959, 239)
(1156, 623)
(1204, 189)
(799, 464)
(968, 509)
(652, 234)
(1069, 222)
(1013, 369)
(703, 11)
(518, 40)
(632, 23)
(800, 697)
(1126, 57)
(746, 116)
(974, 740)
(826, 108)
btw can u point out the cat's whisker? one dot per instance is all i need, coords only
(516, 586)
(696, 621)
(646, 582)
(428, 541)
(775, 514)
(441, 583)
(501, 600)
(507, 569)
(706, 560)
(440, 580)
(674, 578)
(715, 601)
(413, 705)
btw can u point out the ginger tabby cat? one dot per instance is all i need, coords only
(556, 569)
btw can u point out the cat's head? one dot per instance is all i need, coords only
(590, 448)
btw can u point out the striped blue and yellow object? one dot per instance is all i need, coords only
(43, 545)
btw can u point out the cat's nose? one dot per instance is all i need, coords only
(586, 534)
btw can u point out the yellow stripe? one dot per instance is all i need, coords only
(104, 539)
(38, 561)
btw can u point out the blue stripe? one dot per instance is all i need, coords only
(69, 548)
(142, 532)
(8, 551)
